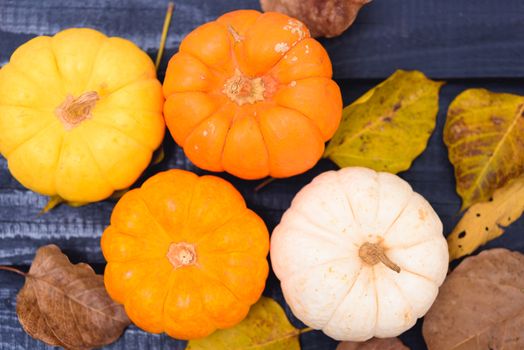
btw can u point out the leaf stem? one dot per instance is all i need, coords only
(51, 203)
(264, 183)
(167, 21)
(306, 330)
(12, 269)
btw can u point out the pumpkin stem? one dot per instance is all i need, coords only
(372, 253)
(181, 254)
(73, 111)
(241, 89)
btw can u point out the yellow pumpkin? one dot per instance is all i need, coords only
(80, 114)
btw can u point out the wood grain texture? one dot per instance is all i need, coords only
(444, 39)
(457, 39)
(12, 337)
(77, 230)
(66, 305)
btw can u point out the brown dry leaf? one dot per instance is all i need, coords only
(373, 344)
(67, 305)
(483, 133)
(486, 221)
(327, 18)
(480, 305)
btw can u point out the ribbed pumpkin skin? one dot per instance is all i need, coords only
(178, 208)
(330, 277)
(283, 110)
(103, 153)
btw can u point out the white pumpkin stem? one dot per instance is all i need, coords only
(373, 253)
(73, 111)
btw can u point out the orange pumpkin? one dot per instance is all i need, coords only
(251, 94)
(185, 256)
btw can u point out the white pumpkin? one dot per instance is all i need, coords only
(359, 254)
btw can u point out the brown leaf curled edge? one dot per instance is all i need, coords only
(480, 305)
(67, 305)
(373, 344)
(327, 18)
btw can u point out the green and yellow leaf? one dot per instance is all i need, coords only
(484, 135)
(266, 327)
(486, 221)
(389, 126)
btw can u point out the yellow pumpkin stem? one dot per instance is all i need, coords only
(165, 29)
(373, 253)
(74, 111)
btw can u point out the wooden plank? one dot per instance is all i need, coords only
(12, 336)
(77, 230)
(444, 39)
(458, 39)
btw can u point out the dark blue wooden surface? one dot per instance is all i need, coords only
(470, 43)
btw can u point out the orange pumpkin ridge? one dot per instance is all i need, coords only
(185, 255)
(251, 94)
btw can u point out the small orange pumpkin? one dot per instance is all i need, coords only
(185, 256)
(251, 94)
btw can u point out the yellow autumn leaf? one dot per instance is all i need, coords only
(486, 220)
(484, 133)
(266, 327)
(389, 126)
